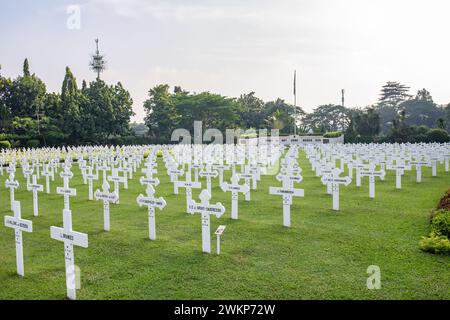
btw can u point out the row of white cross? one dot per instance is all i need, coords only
(322, 160)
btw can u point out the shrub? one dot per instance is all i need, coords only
(159, 153)
(334, 134)
(5, 144)
(440, 224)
(435, 244)
(33, 143)
(438, 135)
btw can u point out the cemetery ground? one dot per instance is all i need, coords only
(324, 255)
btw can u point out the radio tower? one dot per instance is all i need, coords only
(98, 62)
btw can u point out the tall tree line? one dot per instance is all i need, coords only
(92, 114)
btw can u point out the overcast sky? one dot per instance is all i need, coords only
(237, 46)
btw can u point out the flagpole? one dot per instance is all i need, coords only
(295, 103)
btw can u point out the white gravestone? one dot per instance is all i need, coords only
(234, 187)
(12, 185)
(107, 197)
(418, 165)
(206, 209)
(399, 171)
(188, 184)
(19, 225)
(208, 173)
(70, 238)
(151, 202)
(174, 173)
(66, 191)
(372, 173)
(47, 173)
(35, 188)
(116, 179)
(287, 191)
(335, 181)
(90, 177)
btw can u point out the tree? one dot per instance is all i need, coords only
(391, 96)
(328, 117)
(421, 110)
(70, 108)
(280, 115)
(161, 117)
(26, 95)
(252, 114)
(393, 93)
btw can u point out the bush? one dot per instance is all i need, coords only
(440, 224)
(334, 134)
(435, 244)
(33, 143)
(159, 153)
(5, 144)
(438, 135)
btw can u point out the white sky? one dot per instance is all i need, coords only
(233, 47)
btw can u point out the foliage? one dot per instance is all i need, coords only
(335, 134)
(438, 135)
(440, 224)
(328, 117)
(435, 244)
(5, 144)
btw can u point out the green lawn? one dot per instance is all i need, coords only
(324, 255)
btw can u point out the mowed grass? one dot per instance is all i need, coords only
(324, 255)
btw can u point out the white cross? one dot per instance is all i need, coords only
(208, 173)
(399, 171)
(66, 191)
(47, 173)
(19, 225)
(221, 168)
(90, 177)
(35, 187)
(70, 238)
(418, 164)
(174, 173)
(247, 176)
(107, 197)
(287, 191)
(116, 179)
(104, 168)
(188, 184)
(27, 172)
(151, 202)
(11, 184)
(234, 187)
(372, 173)
(206, 209)
(335, 181)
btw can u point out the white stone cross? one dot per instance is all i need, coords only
(334, 180)
(66, 191)
(116, 179)
(247, 176)
(104, 168)
(287, 191)
(174, 173)
(418, 164)
(107, 197)
(90, 177)
(220, 168)
(206, 209)
(47, 173)
(208, 173)
(35, 187)
(151, 202)
(27, 172)
(11, 184)
(188, 184)
(399, 171)
(70, 238)
(372, 173)
(19, 225)
(234, 187)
